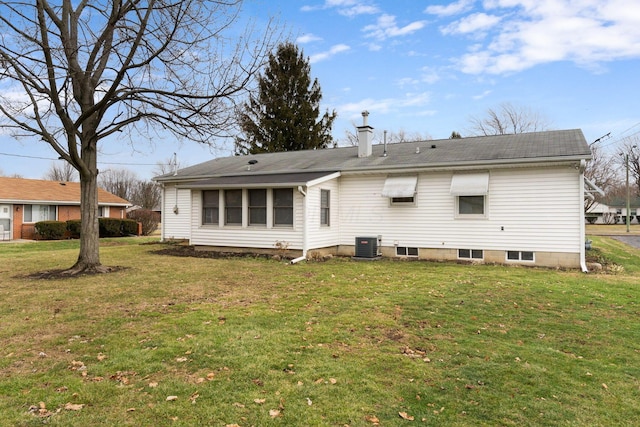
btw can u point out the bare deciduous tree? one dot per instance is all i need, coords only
(507, 119)
(602, 171)
(351, 137)
(630, 150)
(76, 72)
(121, 182)
(61, 171)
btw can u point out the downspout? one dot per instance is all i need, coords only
(305, 228)
(583, 237)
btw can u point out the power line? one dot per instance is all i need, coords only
(103, 163)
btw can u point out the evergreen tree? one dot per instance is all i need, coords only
(284, 115)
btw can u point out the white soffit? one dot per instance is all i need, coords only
(470, 184)
(400, 186)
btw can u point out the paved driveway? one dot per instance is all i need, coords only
(629, 240)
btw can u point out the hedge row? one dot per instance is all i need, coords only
(109, 227)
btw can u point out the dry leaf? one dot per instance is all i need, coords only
(232, 425)
(153, 384)
(73, 406)
(274, 413)
(405, 416)
(309, 402)
(333, 380)
(372, 419)
(238, 405)
(171, 398)
(604, 386)
(259, 401)
(211, 376)
(131, 409)
(181, 359)
(101, 357)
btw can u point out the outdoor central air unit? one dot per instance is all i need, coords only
(366, 247)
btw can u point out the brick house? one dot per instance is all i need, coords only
(23, 202)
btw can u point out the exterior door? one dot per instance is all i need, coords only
(5, 218)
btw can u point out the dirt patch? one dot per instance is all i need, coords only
(190, 251)
(66, 274)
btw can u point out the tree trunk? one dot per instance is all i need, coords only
(89, 256)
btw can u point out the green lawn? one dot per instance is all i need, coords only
(175, 341)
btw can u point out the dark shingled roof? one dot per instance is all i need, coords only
(551, 146)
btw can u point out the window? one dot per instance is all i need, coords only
(210, 207)
(258, 207)
(520, 256)
(400, 189)
(470, 254)
(283, 206)
(233, 207)
(401, 200)
(36, 213)
(470, 190)
(471, 205)
(325, 197)
(103, 211)
(406, 251)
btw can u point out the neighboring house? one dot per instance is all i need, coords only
(23, 202)
(505, 199)
(613, 210)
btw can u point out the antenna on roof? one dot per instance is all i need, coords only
(384, 153)
(175, 164)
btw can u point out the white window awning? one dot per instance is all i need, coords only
(470, 184)
(399, 186)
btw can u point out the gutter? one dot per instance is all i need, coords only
(583, 234)
(305, 231)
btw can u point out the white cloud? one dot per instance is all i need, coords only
(348, 8)
(339, 48)
(386, 27)
(353, 110)
(308, 38)
(456, 8)
(532, 32)
(474, 23)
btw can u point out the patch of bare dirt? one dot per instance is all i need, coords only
(67, 273)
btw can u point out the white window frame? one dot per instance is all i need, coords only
(31, 209)
(471, 256)
(217, 207)
(520, 256)
(325, 211)
(403, 251)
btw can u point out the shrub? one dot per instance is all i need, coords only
(110, 227)
(147, 218)
(73, 227)
(129, 227)
(50, 230)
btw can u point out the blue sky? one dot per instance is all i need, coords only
(427, 66)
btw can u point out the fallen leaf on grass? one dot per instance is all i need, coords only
(372, 419)
(232, 425)
(604, 386)
(333, 380)
(274, 413)
(101, 357)
(74, 406)
(238, 405)
(309, 402)
(181, 359)
(153, 384)
(259, 401)
(171, 398)
(405, 416)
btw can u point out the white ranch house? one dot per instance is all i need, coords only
(504, 199)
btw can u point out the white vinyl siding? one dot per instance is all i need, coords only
(176, 207)
(531, 209)
(244, 235)
(321, 236)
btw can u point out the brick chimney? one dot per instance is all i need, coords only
(365, 137)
